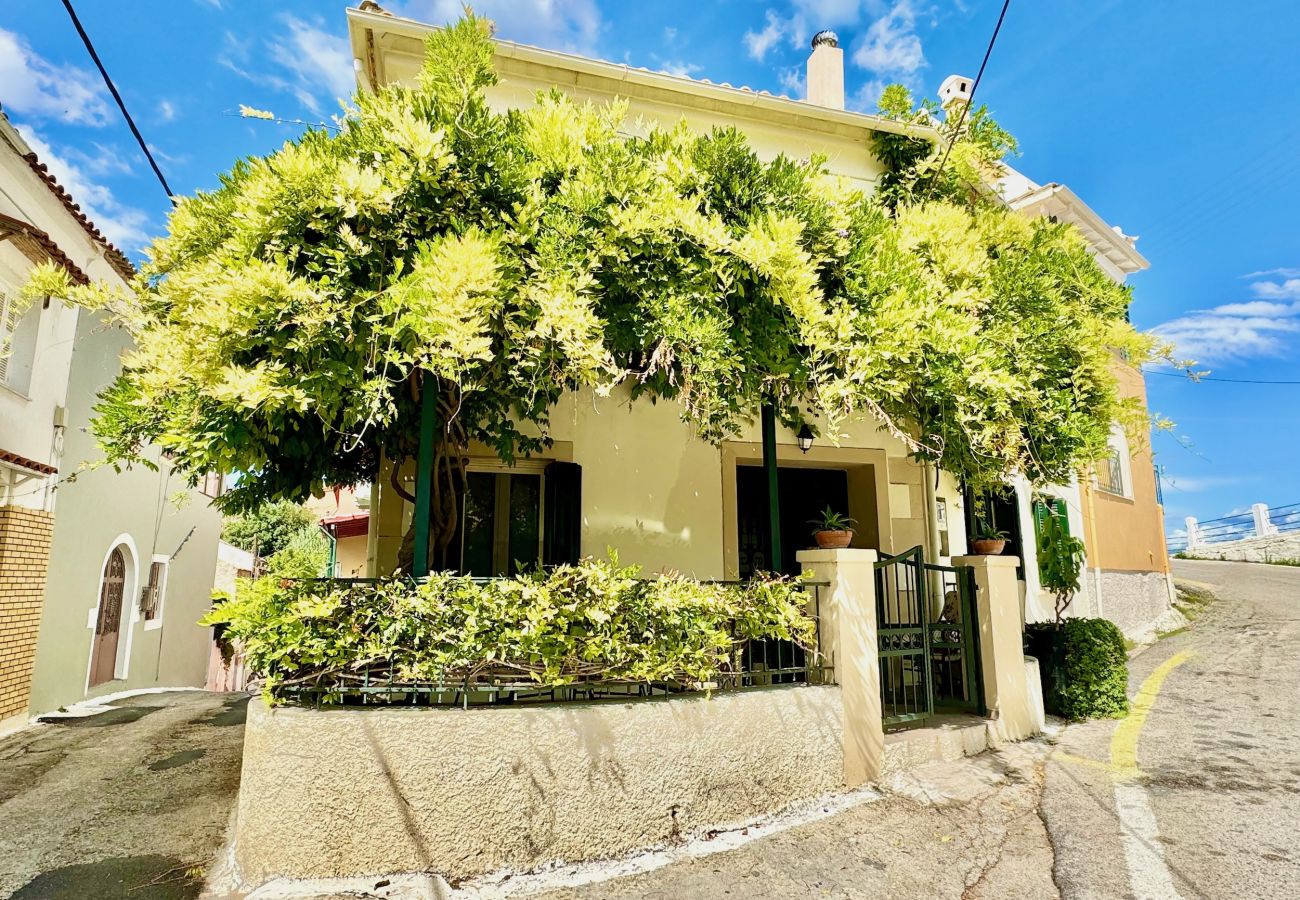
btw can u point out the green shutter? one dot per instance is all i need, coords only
(562, 539)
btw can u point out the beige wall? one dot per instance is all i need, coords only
(466, 792)
(665, 499)
(1127, 534)
(133, 508)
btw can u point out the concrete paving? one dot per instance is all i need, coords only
(131, 803)
(1217, 807)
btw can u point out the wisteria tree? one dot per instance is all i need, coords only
(289, 323)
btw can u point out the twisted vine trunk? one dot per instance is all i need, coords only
(450, 461)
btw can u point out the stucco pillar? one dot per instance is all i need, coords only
(1263, 527)
(848, 633)
(1002, 656)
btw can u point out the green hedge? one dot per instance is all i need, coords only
(1084, 666)
(595, 621)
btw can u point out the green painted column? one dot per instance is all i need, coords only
(424, 474)
(773, 500)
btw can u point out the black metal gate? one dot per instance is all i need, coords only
(928, 639)
(906, 695)
(954, 639)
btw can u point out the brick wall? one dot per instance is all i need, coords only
(24, 559)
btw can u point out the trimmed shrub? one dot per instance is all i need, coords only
(596, 621)
(1084, 667)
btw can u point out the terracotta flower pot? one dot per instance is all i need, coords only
(987, 547)
(833, 540)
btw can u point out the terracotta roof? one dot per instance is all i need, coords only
(347, 524)
(116, 258)
(23, 462)
(36, 243)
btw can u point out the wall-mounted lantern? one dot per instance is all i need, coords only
(804, 438)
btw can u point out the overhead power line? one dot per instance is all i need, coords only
(1225, 380)
(975, 86)
(112, 88)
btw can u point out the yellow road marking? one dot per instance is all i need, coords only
(1123, 743)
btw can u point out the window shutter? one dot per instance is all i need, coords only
(8, 321)
(562, 541)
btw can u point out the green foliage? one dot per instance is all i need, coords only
(289, 323)
(1060, 561)
(268, 527)
(1085, 665)
(593, 621)
(830, 520)
(306, 554)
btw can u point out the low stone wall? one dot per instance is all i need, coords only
(1257, 549)
(350, 792)
(1138, 602)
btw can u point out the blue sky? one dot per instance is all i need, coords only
(1171, 122)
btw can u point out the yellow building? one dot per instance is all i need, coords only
(634, 478)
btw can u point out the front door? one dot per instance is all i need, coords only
(103, 655)
(802, 494)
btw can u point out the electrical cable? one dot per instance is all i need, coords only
(1226, 380)
(975, 86)
(112, 88)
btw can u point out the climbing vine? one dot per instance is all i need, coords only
(288, 324)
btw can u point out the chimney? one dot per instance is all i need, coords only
(826, 71)
(956, 89)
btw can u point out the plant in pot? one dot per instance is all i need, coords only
(831, 530)
(988, 541)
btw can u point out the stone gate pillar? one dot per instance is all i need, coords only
(848, 634)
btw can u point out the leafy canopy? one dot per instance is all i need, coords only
(268, 528)
(287, 324)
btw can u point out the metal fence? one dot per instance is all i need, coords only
(1237, 526)
(758, 663)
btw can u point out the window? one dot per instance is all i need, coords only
(213, 484)
(1110, 473)
(501, 523)
(19, 329)
(151, 598)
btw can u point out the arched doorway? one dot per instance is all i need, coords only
(108, 624)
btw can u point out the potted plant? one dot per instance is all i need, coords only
(988, 541)
(831, 530)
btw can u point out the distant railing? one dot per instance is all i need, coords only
(758, 663)
(1260, 521)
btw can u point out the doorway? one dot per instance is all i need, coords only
(108, 624)
(802, 493)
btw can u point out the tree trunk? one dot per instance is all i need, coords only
(446, 499)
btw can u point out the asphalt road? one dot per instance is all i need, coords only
(1213, 810)
(131, 803)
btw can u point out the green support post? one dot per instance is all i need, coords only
(424, 474)
(773, 501)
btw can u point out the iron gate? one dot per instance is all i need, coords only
(954, 639)
(928, 639)
(906, 695)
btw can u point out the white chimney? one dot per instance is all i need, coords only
(955, 89)
(826, 71)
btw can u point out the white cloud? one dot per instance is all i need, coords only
(33, 86)
(1239, 331)
(166, 110)
(1268, 273)
(794, 81)
(867, 97)
(678, 67)
(830, 13)
(1274, 290)
(572, 25)
(891, 46)
(125, 226)
(758, 43)
(313, 63)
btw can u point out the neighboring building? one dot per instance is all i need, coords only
(344, 516)
(634, 477)
(1116, 511)
(102, 578)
